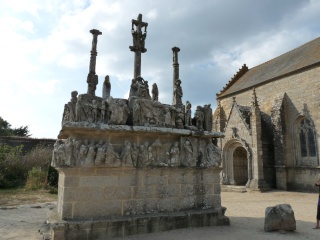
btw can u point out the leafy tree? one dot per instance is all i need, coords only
(7, 130)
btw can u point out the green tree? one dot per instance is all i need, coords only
(7, 130)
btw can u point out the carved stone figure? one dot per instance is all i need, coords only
(119, 112)
(72, 106)
(188, 154)
(112, 158)
(207, 111)
(155, 92)
(103, 112)
(143, 155)
(177, 93)
(126, 158)
(56, 161)
(174, 154)
(91, 154)
(139, 88)
(188, 120)
(150, 161)
(94, 111)
(199, 118)
(213, 153)
(75, 152)
(68, 150)
(169, 119)
(83, 152)
(101, 153)
(134, 154)
(179, 118)
(106, 89)
(61, 154)
(66, 114)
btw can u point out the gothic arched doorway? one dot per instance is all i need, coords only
(240, 166)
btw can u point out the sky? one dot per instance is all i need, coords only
(45, 48)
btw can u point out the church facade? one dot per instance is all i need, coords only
(270, 117)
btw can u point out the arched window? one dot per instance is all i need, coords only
(306, 146)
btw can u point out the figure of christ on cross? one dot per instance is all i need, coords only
(138, 43)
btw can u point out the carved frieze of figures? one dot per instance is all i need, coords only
(192, 152)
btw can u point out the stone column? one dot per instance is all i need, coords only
(175, 65)
(92, 78)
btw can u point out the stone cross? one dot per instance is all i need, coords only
(138, 43)
(92, 78)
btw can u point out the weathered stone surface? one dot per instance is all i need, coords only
(280, 217)
(134, 165)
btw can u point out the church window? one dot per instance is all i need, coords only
(307, 142)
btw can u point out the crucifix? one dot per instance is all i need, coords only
(92, 78)
(138, 43)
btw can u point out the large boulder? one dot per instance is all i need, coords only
(280, 217)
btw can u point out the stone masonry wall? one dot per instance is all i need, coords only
(302, 91)
(113, 192)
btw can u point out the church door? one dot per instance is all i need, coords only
(240, 166)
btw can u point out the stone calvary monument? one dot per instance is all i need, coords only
(131, 166)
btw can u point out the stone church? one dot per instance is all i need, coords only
(270, 117)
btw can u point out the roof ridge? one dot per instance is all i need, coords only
(235, 77)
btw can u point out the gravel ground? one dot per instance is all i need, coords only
(245, 210)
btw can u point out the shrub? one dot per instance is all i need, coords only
(15, 167)
(37, 179)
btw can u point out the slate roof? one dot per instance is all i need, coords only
(295, 60)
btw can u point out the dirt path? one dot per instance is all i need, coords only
(245, 210)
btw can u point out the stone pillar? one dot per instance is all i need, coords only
(257, 182)
(92, 78)
(175, 65)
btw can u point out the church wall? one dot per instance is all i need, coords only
(302, 91)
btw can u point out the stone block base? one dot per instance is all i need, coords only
(132, 225)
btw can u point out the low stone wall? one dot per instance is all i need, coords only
(28, 143)
(297, 178)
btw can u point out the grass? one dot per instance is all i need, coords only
(20, 196)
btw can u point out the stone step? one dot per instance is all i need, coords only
(233, 188)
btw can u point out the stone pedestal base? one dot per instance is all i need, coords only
(130, 225)
(257, 185)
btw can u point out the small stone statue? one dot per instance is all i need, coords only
(103, 112)
(155, 92)
(179, 118)
(92, 81)
(72, 106)
(188, 121)
(90, 155)
(134, 154)
(94, 111)
(106, 89)
(83, 152)
(207, 111)
(199, 118)
(177, 98)
(150, 161)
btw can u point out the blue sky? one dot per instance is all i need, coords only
(45, 48)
